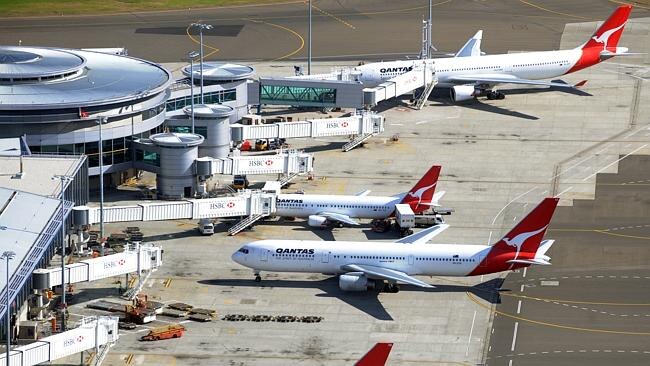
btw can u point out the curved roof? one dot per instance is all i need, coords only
(97, 78)
(209, 110)
(220, 71)
(171, 139)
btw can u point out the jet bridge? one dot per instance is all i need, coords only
(93, 332)
(422, 76)
(253, 205)
(361, 126)
(135, 258)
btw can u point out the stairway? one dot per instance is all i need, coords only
(425, 95)
(243, 224)
(286, 179)
(356, 142)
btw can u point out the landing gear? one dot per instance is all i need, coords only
(258, 278)
(494, 95)
(392, 288)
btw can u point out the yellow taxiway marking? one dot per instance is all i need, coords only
(129, 359)
(302, 40)
(334, 17)
(214, 49)
(167, 282)
(633, 3)
(553, 325)
(552, 11)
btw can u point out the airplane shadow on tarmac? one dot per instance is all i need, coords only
(368, 302)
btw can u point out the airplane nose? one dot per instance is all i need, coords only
(236, 257)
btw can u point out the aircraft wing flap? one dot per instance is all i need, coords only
(503, 79)
(338, 217)
(424, 236)
(538, 261)
(385, 274)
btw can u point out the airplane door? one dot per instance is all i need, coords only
(326, 257)
(411, 260)
(264, 254)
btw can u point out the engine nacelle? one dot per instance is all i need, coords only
(355, 282)
(317, 221)
(461, 93)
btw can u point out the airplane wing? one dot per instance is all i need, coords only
(505, 79)
(424, 236)
(332, 216)
(472, 47)
(385, 274)
(363, 193)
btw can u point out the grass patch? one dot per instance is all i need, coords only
(16, 8)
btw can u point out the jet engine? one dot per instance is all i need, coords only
(317, 221)
(461, 93)
(355, 282)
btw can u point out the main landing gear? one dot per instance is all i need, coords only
(258, 278)
(392, 288)
(494, 95)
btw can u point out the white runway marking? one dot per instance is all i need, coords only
(614, 162)
(471, 330)
(519, 307)
(514, 337)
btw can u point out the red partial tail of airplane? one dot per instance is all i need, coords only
(609, 33)
(377, 356)
(520, 246)
(603, 43)
(419, 197)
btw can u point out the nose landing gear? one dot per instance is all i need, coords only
(258, 278)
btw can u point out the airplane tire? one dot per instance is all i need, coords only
(258, 278)
(501, 96)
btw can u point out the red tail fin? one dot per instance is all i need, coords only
(420, 195)
(521, 242)
(377, 356)
(607, 36)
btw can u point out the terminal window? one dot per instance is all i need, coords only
(199, 130)
(271, 94)
(147, 157)
(215, 97)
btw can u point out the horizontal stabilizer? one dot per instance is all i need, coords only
(363, 193)
(538, 261)
(423, 236)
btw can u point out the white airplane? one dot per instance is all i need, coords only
(363, 265)
(324, 210)
(470, 74)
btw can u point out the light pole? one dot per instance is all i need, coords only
(101, 121)
(192, 55)
(202, 27)
(7, 256)
(309, 43)
(64, 179)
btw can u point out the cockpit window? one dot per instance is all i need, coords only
(243, 250)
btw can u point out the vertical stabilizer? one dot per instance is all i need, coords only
(377, 356)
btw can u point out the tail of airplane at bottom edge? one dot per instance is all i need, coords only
(377, 356)
(419, 197)
(524, 241)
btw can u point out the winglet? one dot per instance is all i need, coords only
(377, 356)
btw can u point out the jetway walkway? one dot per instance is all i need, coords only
(367, 124)
(93, 333)
(422, 76)
(285, 162)
(246, 203)
(135, 258)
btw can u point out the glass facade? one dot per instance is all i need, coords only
(199, 130)
(147, 157)
(293, 95)
(208, 98)
(115, 151)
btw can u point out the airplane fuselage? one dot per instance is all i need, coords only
(364, 207)
(526, 65)
(330, 257)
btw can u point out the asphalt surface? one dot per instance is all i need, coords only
(592, 307)
(350, 30)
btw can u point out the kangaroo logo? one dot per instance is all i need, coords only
(604, 38)
(519, 240)
(418, 193)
